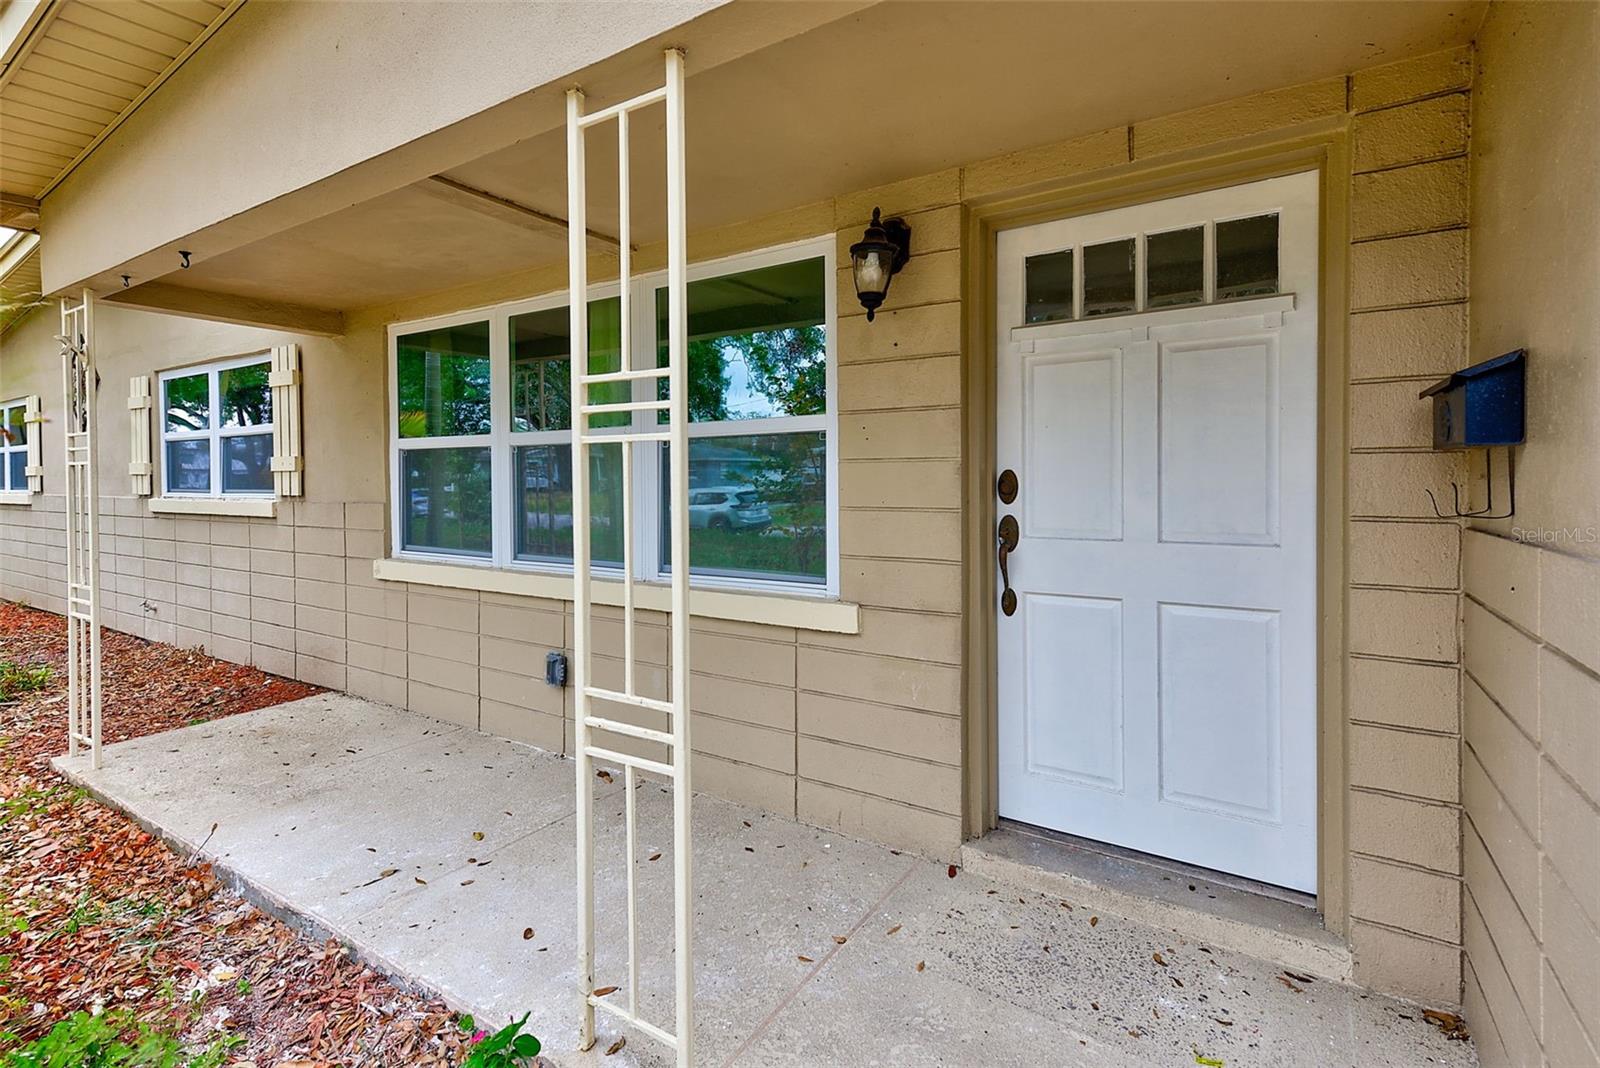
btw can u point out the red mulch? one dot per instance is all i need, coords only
(95, 913)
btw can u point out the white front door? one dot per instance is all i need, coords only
(1157, 404)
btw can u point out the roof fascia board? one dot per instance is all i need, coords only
(15, 252)
(22, 24)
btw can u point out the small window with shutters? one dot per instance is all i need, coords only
(226, 430)
(21, 464)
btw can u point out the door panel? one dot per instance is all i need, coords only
(1157, 682)
(1076, 648)
(1219, 709)
(1074, 443)
(1218, 423)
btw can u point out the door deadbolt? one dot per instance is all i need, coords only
(1006, 486)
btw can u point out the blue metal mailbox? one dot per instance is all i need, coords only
(1481, 405)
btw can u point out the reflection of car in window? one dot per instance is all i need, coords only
(727, 508)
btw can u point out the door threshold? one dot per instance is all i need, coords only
(1267, 922)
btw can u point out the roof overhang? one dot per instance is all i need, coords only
(777, 120)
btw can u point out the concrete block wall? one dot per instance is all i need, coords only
(1531, 785)
(1408, 327)
(1531, 614)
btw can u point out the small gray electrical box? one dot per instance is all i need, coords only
(555, 669)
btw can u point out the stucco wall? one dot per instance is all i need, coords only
(864, 732)
(1531, 763)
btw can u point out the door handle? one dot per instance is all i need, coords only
(1007, 536)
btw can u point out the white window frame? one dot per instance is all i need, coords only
(215, 432)
(646, 504)
(8, 447)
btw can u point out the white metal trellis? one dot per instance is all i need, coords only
(80, 388)
(674, 434)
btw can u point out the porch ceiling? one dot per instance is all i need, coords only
(892, 91)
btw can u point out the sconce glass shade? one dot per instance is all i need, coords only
(881, 252)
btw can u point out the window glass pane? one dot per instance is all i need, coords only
(1108, 278)
(1174, 264)
(188, 402)
(14, 431)
(544, 503)
(247, 464)
(757, 507)
(245, 397)
(541, 358)
(189, 466)
(17, 463)
(447, 505)
(1247, 257)
(443, 379)
(757, 343)
(1047, 284)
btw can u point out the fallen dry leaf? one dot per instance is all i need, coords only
(1290, 983)
(951, 871)
(1449, 1024)
(477, 836)
(1159, 959)
(527, 933)
(805, 958)
(655, 856)
(921, 964)
(1094, 921)
(841, 939)
(603, 775)
(604, 990)
(893, 929)
(616, 1047)
(307, 1004)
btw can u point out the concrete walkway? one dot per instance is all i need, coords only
(811, 948)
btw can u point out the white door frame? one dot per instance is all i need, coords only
(1141, 331)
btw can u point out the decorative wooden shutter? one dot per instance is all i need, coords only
(287, 462)
(139, 407)
(34, 421)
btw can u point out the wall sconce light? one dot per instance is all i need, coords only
(877, 257)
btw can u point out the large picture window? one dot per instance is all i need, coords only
(216, 429)
(483, 428)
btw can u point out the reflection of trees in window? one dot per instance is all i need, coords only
(448, 504)
(189, 402)
(246, 399)
(442, 382)
(789, 367)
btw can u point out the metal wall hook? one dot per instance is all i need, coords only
(183, 258)
(1486, 512)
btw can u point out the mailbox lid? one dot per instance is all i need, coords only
(1481, 405)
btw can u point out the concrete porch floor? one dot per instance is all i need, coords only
(315, 799)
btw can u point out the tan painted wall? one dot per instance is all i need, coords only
(1531, 763)
(864, 733)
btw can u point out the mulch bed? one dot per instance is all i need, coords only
(97, 915)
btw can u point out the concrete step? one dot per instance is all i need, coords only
(1271, 924)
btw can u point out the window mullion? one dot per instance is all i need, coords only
(502, 491)
(214, 439)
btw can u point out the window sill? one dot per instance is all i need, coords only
(17, 497)
(261, 507)
(775, 609)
